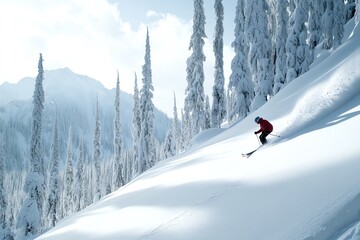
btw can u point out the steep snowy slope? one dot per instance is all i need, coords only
(303, 185)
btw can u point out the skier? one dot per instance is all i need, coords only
(265, 129)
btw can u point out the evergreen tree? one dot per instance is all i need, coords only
(108, 173)
(207, 114)
(218, 111)
(118, 165)
(349, 9)
(2, 188)
(298, 55)
(240, 84)
(97, 154)
(282, 18)
(136, 128)
(195, 96)
(169, 145)
(314, 25)
(176, 128)
(68, 199)
(146, 141)
(186, 129)
(79, 186)
(333, 21)
(339, 22)
(30, 218)
(258, 37)
(5, 230)
(53, 197)
(357, 12)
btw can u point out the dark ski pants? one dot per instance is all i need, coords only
(263, 136)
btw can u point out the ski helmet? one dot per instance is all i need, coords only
(257, 119)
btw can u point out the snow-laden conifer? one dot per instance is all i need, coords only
(52, 210)
(118, 165)
(2, 187)
(136, 128)
(357, 12)
(96, 157)
(333, 21)
(169, 145)
(339, 21)
(207, 114)
(298, 55)
(314, 23)
(218, 110)
(146, 142)
(195, 96)
(68, 199)
(176, 128)
(4, 227)
(30, 218)
(258, 37)
(282, 19)
(240, 85)
(80, 184)
(186, 131)
(6, 232)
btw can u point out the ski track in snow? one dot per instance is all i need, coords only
(188, 212)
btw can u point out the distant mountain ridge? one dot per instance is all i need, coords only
(72, 98)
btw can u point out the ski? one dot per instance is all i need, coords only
(247, 155)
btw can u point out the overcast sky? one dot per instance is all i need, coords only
(98, 37)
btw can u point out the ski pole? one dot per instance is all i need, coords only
(258, 139)
(274, 135)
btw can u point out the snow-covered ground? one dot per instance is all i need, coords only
(303, 185)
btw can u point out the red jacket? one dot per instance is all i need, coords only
(265, 126)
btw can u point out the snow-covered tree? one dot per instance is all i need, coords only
(5, 231)
(195, 96)
(339, 22)
(30, 218)
(136, 128)
(80, 184)
(68, 200)
(218, 110)
(349, 9)
(108, 173)
(357, 12)
(186, 132)
(169, 145)
(207, 114)
(2, 188)
(314, 24)
(298, 55)
(333, 21)
(176, 127)
(146, 141)
(97, 154)
(258, 38)
(52, 210)
(282, 19)
(118, 165)
(240, 85)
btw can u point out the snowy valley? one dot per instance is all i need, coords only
(72, 97)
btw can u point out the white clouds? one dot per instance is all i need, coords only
(90, 38)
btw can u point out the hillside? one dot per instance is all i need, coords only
(303, 185)
(73, 97)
